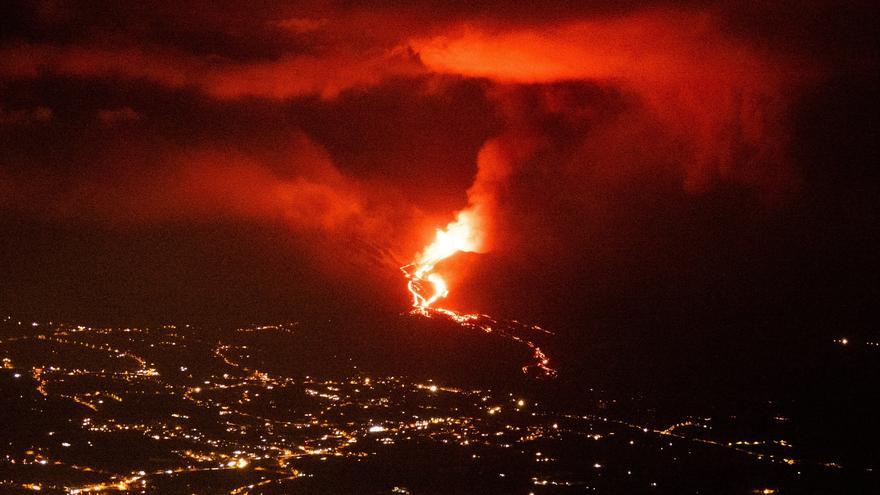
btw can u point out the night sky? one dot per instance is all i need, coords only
(646, 171)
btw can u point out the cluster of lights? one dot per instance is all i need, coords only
(345, 419)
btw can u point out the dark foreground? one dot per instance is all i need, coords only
(295, 409)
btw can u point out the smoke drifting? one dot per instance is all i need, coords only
(723, 102)
(574, 136)
(286, 77)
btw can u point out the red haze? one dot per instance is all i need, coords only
(586, 113)
(723, 99)
(288, 76)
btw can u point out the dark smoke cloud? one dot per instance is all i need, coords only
(288, 76)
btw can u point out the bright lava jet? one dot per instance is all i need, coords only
(427, 287)
(459, 236)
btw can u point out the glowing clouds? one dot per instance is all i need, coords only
(288, 76)
(669, 48)
(722, 99)
(602, 104)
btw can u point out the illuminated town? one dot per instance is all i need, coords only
(429, 247)
(168, 410)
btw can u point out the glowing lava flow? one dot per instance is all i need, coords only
(462, 236)
(459, 236)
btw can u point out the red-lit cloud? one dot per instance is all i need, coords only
(287, 76)
(722, 99)
(301, 188)
(358, 123)
(214, 183)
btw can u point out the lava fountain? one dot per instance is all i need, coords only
(427, 287)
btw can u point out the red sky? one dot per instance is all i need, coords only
(601, 143)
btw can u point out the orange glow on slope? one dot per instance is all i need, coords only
(428, 286)
(459, 236)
